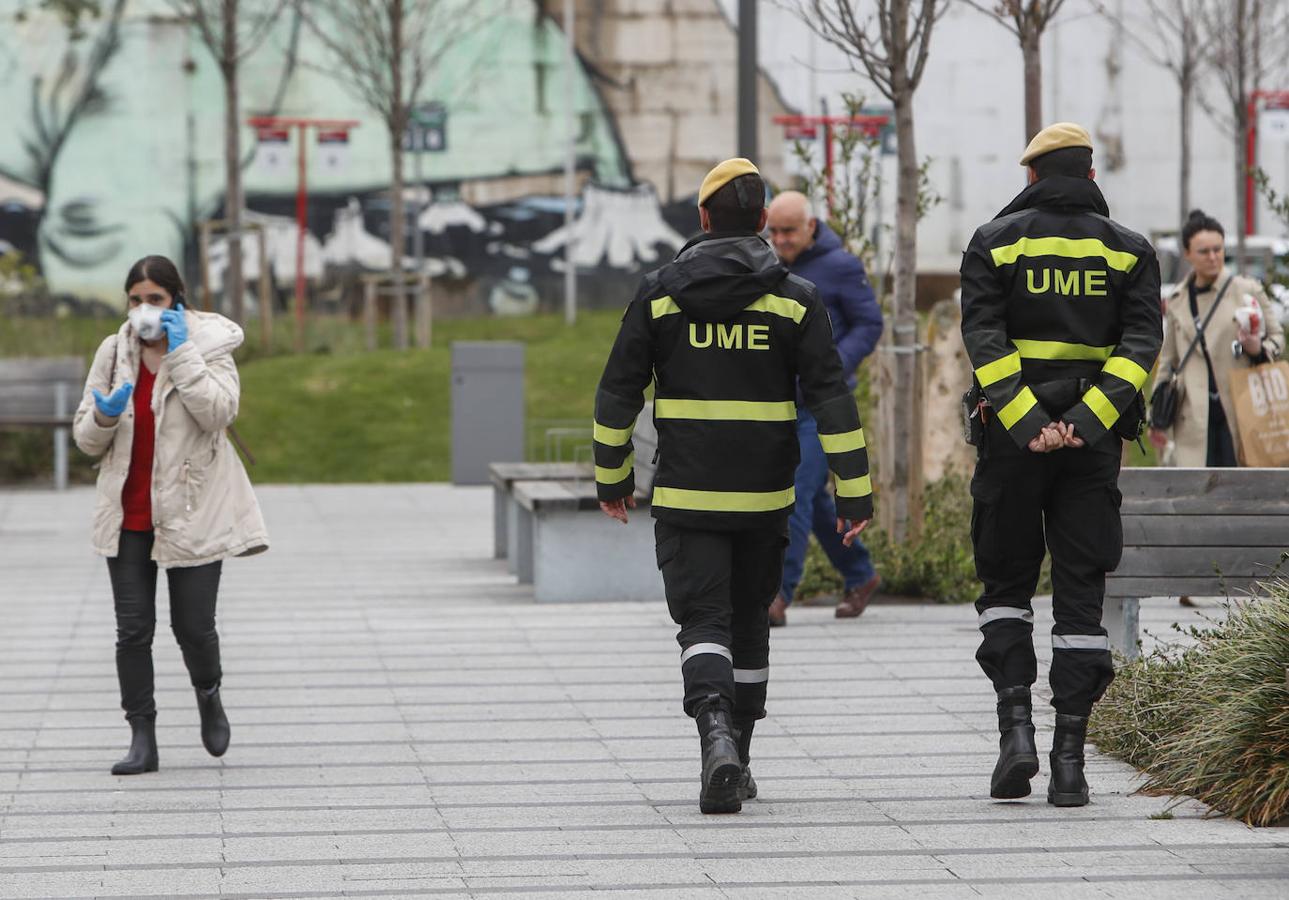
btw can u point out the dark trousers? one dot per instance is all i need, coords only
(719, 588)
(1067, 502)
(192, 618)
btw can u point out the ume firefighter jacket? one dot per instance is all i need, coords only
(725, 332)
(1054, 292)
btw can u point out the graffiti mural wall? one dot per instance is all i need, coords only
(113, 149)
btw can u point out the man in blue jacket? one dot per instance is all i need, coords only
(812, 251)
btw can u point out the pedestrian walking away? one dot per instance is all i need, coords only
(728, 336)
(172, 492)
(1061, 320)
(811, 250)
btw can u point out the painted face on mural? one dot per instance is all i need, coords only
(791, 227)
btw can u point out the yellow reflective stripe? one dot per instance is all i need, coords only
(780, 306)
(663, 306)
(855, 487)
(1069, 248)
(726, 410)
(612, 437)
(1061, 350)
(1014, 411)
(1129, 371)
(723, 501)
(843, 442)
(996, 371)
(1100, 404)
(615, 476)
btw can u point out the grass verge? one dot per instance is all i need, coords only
(1211, 721)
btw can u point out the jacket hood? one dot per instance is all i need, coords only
(826, 240)
(715, 276)
(1059, 192)
(211, 334)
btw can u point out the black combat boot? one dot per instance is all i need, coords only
(1017, 755)
(1068, 787)
(721, 767)
(142, 756)
(214, 724)
(743, 736)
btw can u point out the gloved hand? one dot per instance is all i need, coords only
(113, 406)
(175, 326)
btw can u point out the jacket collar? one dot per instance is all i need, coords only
(1059, 192)
(825, 240)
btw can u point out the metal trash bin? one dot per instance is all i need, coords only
(487, 407)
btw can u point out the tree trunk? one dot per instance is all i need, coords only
(398, 218)
(234, 284)
(1187, 85)
(900, 452)
(1031, 48)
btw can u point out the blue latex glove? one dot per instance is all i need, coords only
(175, 326)
(114, 405)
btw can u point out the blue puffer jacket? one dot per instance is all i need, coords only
(844, 288)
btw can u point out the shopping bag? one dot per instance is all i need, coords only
(1261, 399)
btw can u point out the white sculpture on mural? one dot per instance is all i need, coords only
(619, 227)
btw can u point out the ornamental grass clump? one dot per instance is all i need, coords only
(1211, 720)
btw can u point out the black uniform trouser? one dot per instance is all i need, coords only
(719, 588)
(1070, 500)
(192, 619)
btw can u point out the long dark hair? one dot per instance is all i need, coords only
(1196, 222)
(161, 271)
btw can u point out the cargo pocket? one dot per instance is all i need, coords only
(986, 541)
(668, 550)
(1111, 536)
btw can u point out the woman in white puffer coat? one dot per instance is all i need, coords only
(172, 493)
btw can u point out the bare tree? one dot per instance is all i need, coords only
(889, 42)
(1239, 30)
(388, 50)
(231, 33)
(1027, 20)
(1172, 35)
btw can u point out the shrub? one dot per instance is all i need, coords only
(1211, 720)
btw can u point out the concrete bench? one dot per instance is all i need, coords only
(43, 392)
(1194, 532)
(504, 476)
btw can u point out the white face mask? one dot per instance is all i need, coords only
(146, 320)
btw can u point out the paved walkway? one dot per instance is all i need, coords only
(406, 722)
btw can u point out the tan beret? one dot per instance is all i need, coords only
(723, 174)
(1056, 137)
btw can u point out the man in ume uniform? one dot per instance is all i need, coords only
(1061, 319)
(725, 333)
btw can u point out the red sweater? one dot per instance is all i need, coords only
(136, 496)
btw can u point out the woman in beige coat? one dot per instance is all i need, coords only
(172, 493)
(1203, 433)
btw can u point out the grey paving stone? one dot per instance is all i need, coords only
(407, 721)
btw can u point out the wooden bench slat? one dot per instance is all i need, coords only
(1166, 563)
(1230, 492)
(1205, 531)
(1176, 587)
(41, 368)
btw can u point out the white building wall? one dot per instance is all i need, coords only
(970, 119)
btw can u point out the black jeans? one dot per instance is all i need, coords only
(1025, 503)
(192, 618)
(719, 588)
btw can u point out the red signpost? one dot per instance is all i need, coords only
(271, 124)
(1269, 100)
(807, 128)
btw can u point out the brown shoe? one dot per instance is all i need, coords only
(855, 601)
(778, 612)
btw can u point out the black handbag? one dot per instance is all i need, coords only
(1165, 397)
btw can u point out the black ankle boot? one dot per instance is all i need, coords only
(743, 737)
(1068, 787)
(721, 767)
(1017, 754)
(215, 732)
(142, 756)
